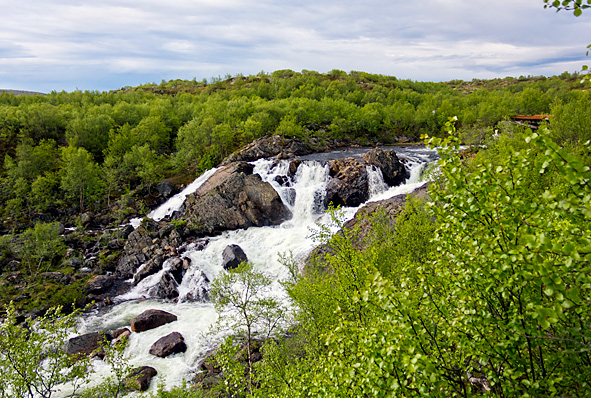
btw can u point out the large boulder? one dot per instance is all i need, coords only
(151, 319)
(233, 256)
(99, 284)
(393, 170)
(363, 223)
(165, 188)
(233, 198)
(170, 344)
(166, 288)
(139, 379)
(350, 183)
(87, 343)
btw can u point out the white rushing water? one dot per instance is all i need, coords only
(264, 246)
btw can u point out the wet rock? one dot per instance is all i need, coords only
(349, 185)
(150, 268)
(87, 343)
(115, 244)
(126, 231)
(282, 180)
(99, 284)
(140, 378)
(172, 343)
(363, 217)
(233, 198)
(201, 244)
(174, 239)
(151, 319)
(166, 288)
(293, 167)
(165, 230)
(199, 288)
(178, 268)
(165, 188)
(233, 256)
(393, 171)
(135, 252)
(363, 220)
(118, 333)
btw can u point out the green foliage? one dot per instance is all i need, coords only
(518, 268)
(486, 291)
(228, 358)
(178, 223)
(239, 295)
(115, 384)
(182, 391)
(90, 131)
(39, 245)
(576, 6)
(571, 123)
(32, 361)
(137, 136)
(80, 175)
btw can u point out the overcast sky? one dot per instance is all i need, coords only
(48, 45)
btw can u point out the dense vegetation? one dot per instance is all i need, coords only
(483, 290)
(65, 153)
(70, 153)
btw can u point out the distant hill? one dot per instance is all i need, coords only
(20, 92)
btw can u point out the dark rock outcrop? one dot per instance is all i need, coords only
(151, 244)
(165, 188)
(166, 288)
(350, 183)
(172, 343)
(267, 147)
(140, 378)
(178, 268)
(151, 319)
(87, 343)
(233, 198)
(150, 268)
(393, 171)
(232, 256)
(293, 167)
(99, 284)
(363, 222)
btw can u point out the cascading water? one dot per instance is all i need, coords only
(303, 194)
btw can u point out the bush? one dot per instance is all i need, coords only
(32, 361)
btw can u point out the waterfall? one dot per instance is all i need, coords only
(174, 204)
(303, 193)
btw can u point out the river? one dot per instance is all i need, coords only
(264, 247)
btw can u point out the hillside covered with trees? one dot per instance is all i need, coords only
(66, 153)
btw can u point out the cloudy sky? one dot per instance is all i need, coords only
(48, 45)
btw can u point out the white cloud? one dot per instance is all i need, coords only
(65, 44)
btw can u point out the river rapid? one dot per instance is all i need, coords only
(264, 247)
